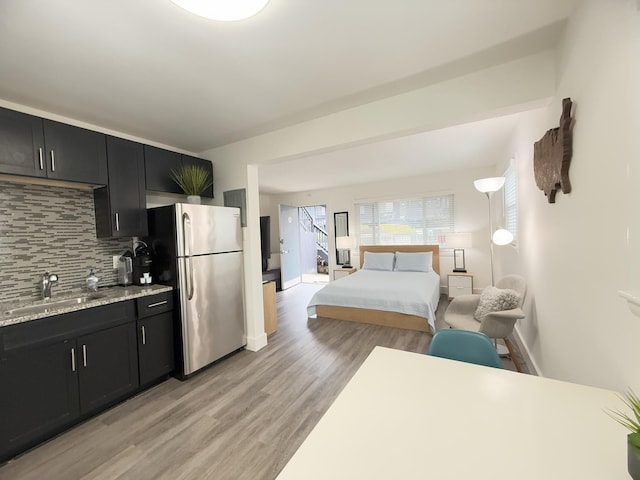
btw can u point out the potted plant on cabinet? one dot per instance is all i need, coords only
(632, 423)
(193, 180)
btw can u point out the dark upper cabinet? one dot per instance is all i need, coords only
(158, 164)
(120, 207)
(21, 144)
(37, 147)
(75, 154)
(206, 164)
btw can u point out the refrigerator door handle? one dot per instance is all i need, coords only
(189, 265)
(186, 228)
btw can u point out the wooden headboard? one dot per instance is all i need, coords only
(404, 248)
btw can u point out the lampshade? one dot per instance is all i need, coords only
(345, 243)
(502, 237)
(458, 240)
(487, 185)
(224, 10)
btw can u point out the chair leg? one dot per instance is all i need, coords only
(512, 354)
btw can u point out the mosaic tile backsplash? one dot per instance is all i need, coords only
(46, 228)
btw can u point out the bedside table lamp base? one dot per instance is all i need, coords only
(458, 261)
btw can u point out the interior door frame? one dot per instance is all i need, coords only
(289, 264)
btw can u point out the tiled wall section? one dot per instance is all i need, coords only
(45, 228)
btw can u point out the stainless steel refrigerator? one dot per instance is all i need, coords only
(198, 250)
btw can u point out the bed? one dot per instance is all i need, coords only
(402, 299)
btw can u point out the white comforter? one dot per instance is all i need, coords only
(413, 293)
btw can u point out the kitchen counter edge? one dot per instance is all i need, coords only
(111, 295)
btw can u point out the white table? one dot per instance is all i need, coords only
(405, 415)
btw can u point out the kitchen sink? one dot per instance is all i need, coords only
(52, 305)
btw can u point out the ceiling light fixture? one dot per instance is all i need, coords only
(223, 10)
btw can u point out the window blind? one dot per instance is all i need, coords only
(510, 199)
(422, 220)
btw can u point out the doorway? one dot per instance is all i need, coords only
(314, 244)
(304, 255)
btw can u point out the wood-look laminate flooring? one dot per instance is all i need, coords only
(242, 418)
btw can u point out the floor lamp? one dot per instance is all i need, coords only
(488, 186)
(500, 237)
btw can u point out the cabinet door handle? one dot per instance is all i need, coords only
(117, 222)
(157, 304)
(144, 336)
(73, 359)
(40, 158)
(53, 161)
(84, 355)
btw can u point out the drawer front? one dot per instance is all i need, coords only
(154, 304)
(460, 285)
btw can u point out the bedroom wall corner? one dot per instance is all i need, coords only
(578, 252)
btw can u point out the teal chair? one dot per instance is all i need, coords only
(465, 346)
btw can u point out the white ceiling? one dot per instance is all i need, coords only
(148, 69)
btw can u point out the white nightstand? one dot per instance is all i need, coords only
(459, 284)
(342, 272)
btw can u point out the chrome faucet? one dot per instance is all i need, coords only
(47, 282)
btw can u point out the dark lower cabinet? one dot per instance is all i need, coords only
(58, 370)
(107, 366)
(39, 394)
(156, 347)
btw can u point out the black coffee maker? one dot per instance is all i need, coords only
(142, 262)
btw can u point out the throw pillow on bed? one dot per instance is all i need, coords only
(495, 299)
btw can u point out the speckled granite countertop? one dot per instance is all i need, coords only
(70, 303)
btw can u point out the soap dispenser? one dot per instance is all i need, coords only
(92, 281)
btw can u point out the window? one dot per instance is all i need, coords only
(510, 202)
(418, 221)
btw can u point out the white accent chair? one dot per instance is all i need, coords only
(495, 325)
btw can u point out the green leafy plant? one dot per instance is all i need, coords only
(192, 179)
(630, 421)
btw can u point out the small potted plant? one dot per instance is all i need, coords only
(193, 180)
(632, 423)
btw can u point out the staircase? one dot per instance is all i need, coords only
(318, 227)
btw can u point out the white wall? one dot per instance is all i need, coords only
(470, 211)
(577, 253)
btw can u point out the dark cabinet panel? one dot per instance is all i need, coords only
(36, 147)
(58, 370)
(120, 207)
(107, 366)
(158, 164)
(21, 144)
(206, 164)
(75, 154)
(155, 347)
(40, 394)
(156, 356)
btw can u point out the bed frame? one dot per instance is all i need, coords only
(380, 317)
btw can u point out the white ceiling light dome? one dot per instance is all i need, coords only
(224, 10)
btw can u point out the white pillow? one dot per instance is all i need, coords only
(413, 262)
(495, 299)
(378, 261)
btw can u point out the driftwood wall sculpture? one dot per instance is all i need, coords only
(552, 156)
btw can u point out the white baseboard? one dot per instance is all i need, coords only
(524, 349)
(256, 343)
